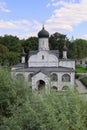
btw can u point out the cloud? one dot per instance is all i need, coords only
(3, 7)
(65, 16)
(22, 28)
(21, 24)
(62, 2)
(27, 35)
(68, 15)
(84, 37)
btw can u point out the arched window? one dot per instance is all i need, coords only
(54, 77)
(65, 88)
(20, 76)
(66, 78)
(54, 88)
(30, 77)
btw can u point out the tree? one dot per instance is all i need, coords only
(30, 44)
(3, 49)
(11, 42)
(57, 42)
(78, 49)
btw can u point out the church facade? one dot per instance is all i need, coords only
(44, 69)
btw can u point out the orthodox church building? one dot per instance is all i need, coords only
(44, 69)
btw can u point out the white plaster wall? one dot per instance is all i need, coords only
(65, 54)
(59, 84)
(66, 63)
(70, 84)
(48, 84)
(43, 44)
(54, 83)
(25, 74)
(23, 59)
(49, 60)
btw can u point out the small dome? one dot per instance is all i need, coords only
(43, 33)
(65, 48)
(23, 53)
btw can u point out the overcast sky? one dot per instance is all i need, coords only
(24, 18)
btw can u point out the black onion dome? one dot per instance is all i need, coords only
(65, 48)
(43, 33)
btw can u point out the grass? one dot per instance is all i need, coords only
(80, 69)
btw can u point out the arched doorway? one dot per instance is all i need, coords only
(41, 86)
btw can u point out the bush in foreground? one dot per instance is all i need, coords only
(22, 110)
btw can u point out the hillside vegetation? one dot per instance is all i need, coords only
(22, 110)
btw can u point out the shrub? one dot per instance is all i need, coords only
(26, 111)
(81, 69)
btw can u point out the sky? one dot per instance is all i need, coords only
(25, 18)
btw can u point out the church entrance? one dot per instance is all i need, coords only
(41, 86)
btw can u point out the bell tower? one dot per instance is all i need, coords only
(43, 36)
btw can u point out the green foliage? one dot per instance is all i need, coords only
(11, 42)
(30, 44)
(78, 49)
(3, 49)
(81, 69)
(22, 110)
(57, 42)
(9, 58)
(11, 48)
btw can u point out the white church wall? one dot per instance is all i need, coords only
(25, 75)
(23, 59)
(43, 59)
(73, 79)
(66, 63)
(43, 44)
(70, 84)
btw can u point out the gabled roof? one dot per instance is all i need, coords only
(45, 70)
(42, 71)
(55, 52)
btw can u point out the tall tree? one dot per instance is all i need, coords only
(11, 42)
(78, 49)
(30, 44)
(57, 42)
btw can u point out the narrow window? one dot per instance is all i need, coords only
(42, 57)
(81, 62)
